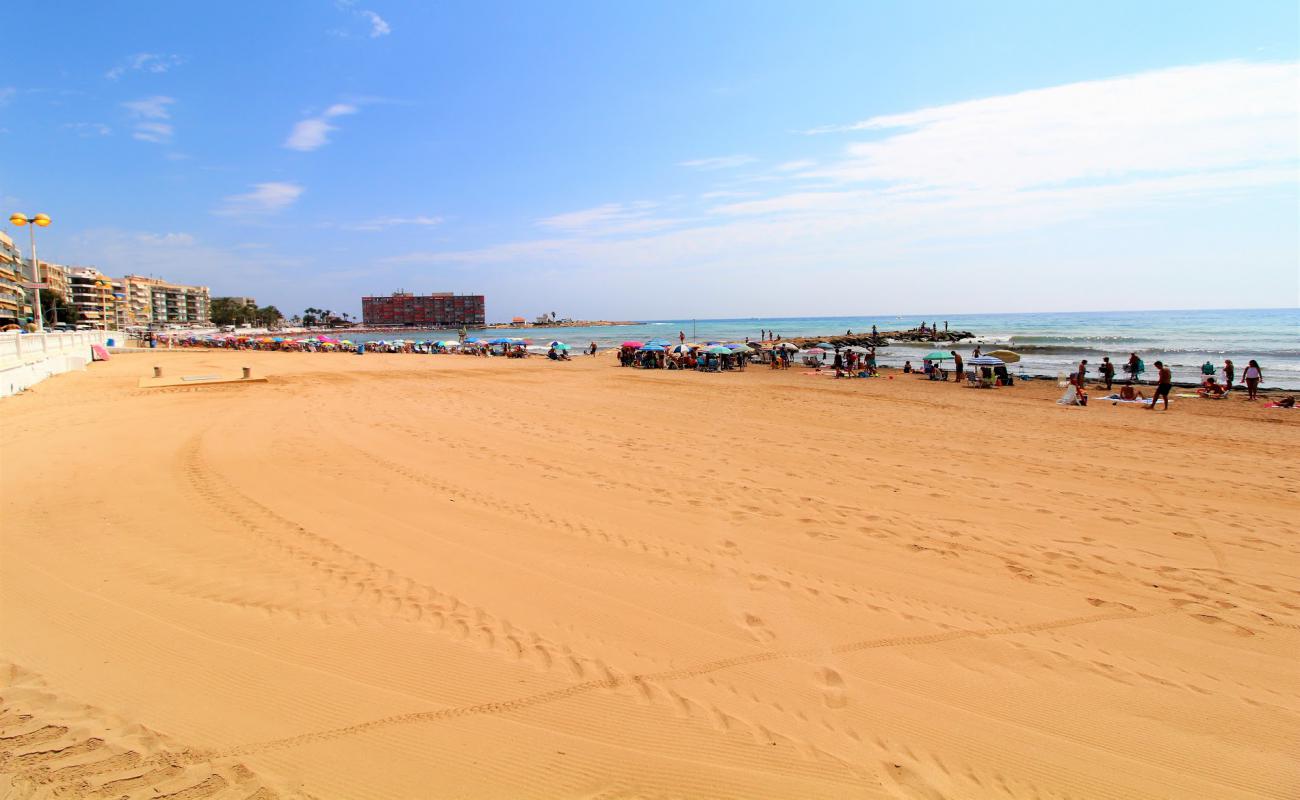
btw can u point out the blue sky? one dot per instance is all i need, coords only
(664, 160)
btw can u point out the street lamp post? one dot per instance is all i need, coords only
(34, 220)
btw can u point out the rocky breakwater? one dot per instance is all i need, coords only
(883, 338)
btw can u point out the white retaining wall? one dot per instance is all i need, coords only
(29, 358)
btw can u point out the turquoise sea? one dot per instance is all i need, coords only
(1049, 342)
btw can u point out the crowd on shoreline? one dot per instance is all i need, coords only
(982, 370)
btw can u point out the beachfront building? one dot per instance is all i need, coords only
(154, 301)
(14, 304)
(56, 275)
(92, 296)
(436, 310)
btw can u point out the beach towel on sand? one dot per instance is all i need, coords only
(1114, 398)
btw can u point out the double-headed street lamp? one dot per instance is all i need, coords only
(43, 221)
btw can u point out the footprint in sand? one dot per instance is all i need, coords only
(757, 628)
(832, 685)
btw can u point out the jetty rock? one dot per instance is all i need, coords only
(883, 338)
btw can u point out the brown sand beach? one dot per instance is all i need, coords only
(403, 577)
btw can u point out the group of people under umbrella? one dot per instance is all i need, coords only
(985, 370)
(701, 356)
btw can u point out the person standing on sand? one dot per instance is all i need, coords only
(591, 349)
(1253, 375)
(1132, 367)
(1229, 372)
(1107, 371)
(956, 357)
(1081, 375)
(1163, 385)
(977, 351)
(681, 337)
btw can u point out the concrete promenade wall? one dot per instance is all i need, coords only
(29, 358)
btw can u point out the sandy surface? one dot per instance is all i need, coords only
(404, 576)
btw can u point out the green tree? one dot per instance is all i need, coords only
(54, 308)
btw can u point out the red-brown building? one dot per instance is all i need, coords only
(437, 310)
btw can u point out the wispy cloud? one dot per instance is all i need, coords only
(792, 166)
(718, 162)
(155, 63)
(87, 129)
(609, 219)
(265, 198)
(381, 223)
(313, 132)
(378, 25)
(149, 113)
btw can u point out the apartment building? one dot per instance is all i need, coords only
(436, 310)
(14, 304)
(154, 301)
(92, 295)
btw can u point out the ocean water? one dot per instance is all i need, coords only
(1050, 343)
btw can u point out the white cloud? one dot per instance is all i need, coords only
(157, 132)
(313, 132)
(792, 166)
(1190, 119)
(380, 223)
(378, 27)
(88, 128)
(150, 107)
(718, 162)
(155, 63)
(174, 239)
(149, 111)
(608, 219)
(266, 198)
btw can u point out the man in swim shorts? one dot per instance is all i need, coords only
(1163, 386)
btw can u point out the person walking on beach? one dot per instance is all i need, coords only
(1081, 374)
(1107, 371)
(1163, 386)
(1134, 365)
(1229, 372)
(1253, 375)
(956, 358)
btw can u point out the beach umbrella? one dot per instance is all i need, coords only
(816, 351)
(632, 344)
(472, 340)
(734, 346)
(938, 355)
(718, 349)
(787, 346)
(826, 345)
(682, 349)
(652, 348)
(987, 361)
(499, 340)
(1006, 355)
(560, 346)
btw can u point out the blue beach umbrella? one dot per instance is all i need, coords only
(826, 345)
(652, 348)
